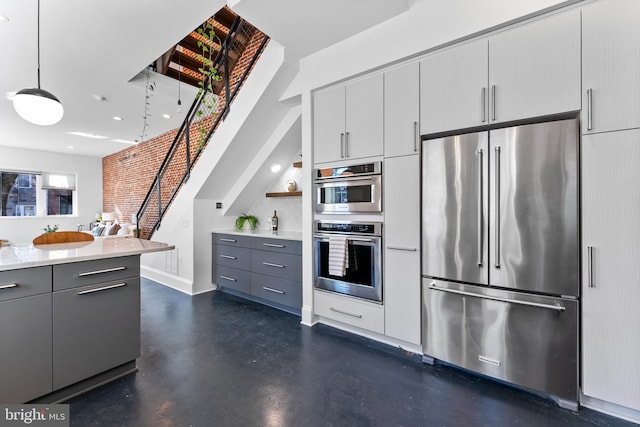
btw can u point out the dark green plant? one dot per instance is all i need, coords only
(49, 229)
(253, 221)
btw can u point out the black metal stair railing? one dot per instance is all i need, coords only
(203, 117)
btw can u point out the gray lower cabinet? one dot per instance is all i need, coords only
(268, 269)
(96, 327)
(25, 334)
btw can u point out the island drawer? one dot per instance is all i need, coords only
(231, 257)
(285, 266)
(231, 240)
(282, 291)
(277, 245)
(24, 282)
(232, 278)
(75, 274)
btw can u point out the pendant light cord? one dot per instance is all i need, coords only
(38, 44)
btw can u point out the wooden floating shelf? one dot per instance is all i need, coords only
(297, 164)
(285, 194)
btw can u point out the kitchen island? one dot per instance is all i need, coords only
(69, 316)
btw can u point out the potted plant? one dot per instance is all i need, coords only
(245, 221)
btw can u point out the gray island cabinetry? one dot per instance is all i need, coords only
(69, 317)
(267, 269)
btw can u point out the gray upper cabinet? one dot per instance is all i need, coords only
(611, 66)
(453, 88)
(348, 121)
(528, 71)
(402, 110)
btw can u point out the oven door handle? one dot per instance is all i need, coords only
(355, 239)
(372, 177)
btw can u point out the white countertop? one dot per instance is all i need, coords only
(288, 235)
(27, 255)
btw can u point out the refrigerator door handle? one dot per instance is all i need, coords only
(480, 236)
(507, 300)
(590, 266)
(497, 207)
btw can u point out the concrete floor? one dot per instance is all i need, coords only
(217, 360)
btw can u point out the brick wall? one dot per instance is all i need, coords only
(128, 174)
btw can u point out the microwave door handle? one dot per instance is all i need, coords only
(346, 178)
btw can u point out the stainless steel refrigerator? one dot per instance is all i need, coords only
(500, 254)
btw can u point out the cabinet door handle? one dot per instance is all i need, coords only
(589, 108)
(275, 291)
(273, 245)
(493, 95)
(342, 145)
(9, 286)
(416, 137)
(228, 278)
(400, 248)
(497, 215)
(106, 270)
(228, 257)
(358, 316)
(270, 264)
(480, 196)
(104, 288)
(222, 239)
(484, 104)
(346, 144)
(590, 267)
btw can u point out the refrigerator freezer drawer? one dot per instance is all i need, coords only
(524, 339)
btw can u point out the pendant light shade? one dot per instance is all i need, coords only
(36, 105)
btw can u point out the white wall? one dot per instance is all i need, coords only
(89, 190)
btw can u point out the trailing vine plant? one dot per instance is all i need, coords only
(150, 87)
(209, 75)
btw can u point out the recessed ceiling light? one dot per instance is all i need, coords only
(3, 18)
(118, 118)
(70, 147)
(124, 141)
(99, 97)
(275, 167)
(166, 116)
(88, 135)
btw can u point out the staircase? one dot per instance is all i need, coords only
(235, 49)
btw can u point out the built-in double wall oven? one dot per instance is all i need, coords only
(348, 248)
(348, 258)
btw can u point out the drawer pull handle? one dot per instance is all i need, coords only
(270, 264)
(104, 288)
(400, 248)
(228, 240)
(228, 257)
(228, 278)
(275, 291)
(9, 286)
(273, 245)
(358, 316)
(106, 270)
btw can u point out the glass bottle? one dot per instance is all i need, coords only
(274, 222)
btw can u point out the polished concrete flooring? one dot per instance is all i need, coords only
(217, 360)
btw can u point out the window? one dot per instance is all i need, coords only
(36, 194)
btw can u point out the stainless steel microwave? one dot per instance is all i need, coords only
(349, 189)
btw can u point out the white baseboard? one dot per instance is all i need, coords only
(167, 279)
(610, 409)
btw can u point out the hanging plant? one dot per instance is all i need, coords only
(150, 87)
(210, 74)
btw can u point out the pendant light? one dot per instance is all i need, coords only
(36, 105)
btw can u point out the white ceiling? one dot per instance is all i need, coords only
(90, 47)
